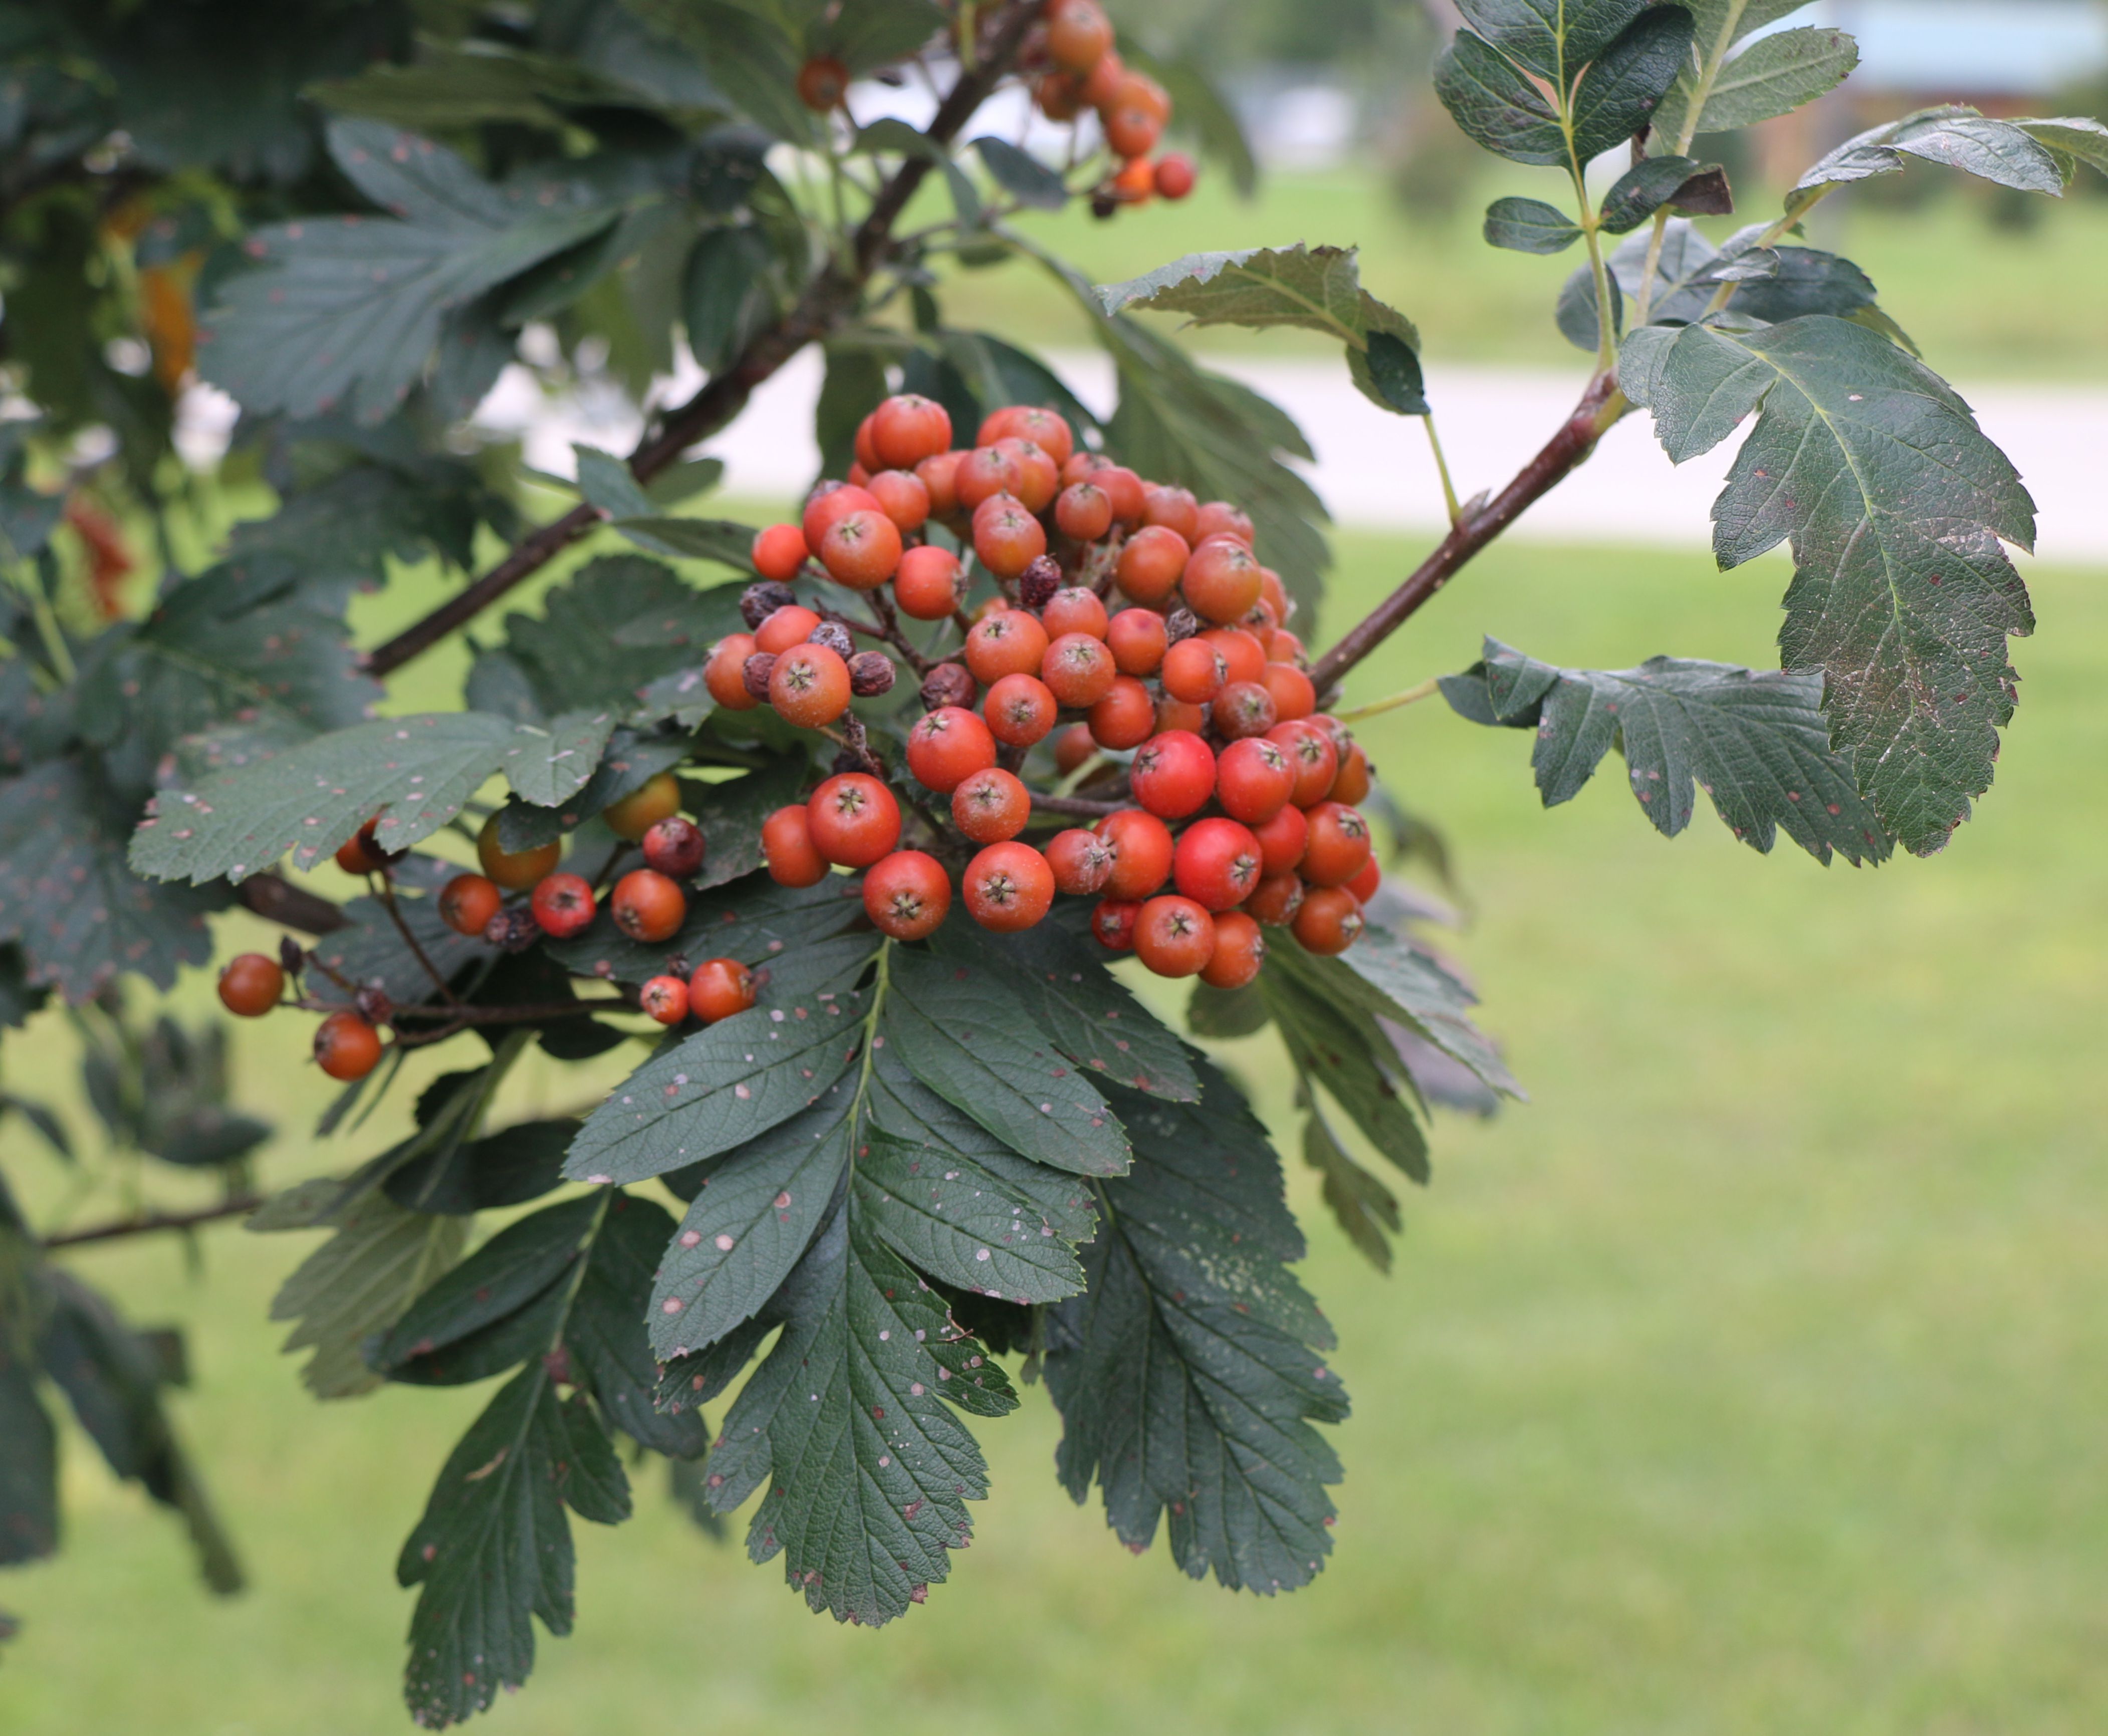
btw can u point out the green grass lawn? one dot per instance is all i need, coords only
(1982, 302)
(1748, 1379)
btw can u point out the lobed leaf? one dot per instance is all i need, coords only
(1757, 743)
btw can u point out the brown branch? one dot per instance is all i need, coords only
(237, 1205)
(1601, 406)
(278, 901)
(828, 301)
(1079, 805)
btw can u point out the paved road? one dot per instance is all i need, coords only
(1373, 470)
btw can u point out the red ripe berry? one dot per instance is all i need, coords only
(779, 552)
(636, 813)
(1364, 885)
(825, 504)
(665, 998)
(1175, 509)
(791, 624)
(1276, 899)
(788, 850)
(1078, 35)
(1083, 511)
(1137, 639)
(1073, 608)
(1101, 83)
(907, 895)
(926, 582)
(724, 675)
(1175, 174)
(1082, 862)
(1007, 538)
(1281, 839)
(1150, 563)
(1329, 920)
(1350, 784)
(1242, 654)
(717, 988)
(1338, 846)
(991, 806)
(1141, 848)
(1112, 924)
(1125, 718)
(563, 905)
(1173, 774)
(940, 475)
(1193, 671)
(250, 984)
(854, 819)
(1285, 648)
(1221, 582)
(648, 906)
(1174, 937)
(1175, 713)
(1072, 747)
(1124, 488)
(360, 854)
(347, 1047)
(468, 902)
(1253, 781)
(822, 82)
(1011, 643)
(1217, 863)
(903, 495)
(1293, 696)
(983, 473)
(908, 428)
(676, 848)
(1008, 887)
(1020, 710)
(1049, 432)
(1310, 752)
(947, 746)
(1077, 669)
(1038, 477)
(1239, 950)
(862, 549)
(1132, 133)
(1242, 708)
(1219, 518)
(809, 686)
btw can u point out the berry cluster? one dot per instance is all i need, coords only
(1186, 697)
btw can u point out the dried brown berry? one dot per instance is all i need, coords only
(836, 637)
(947, 684)
(759, 601)
(1181, 624)
(871, 674)
(755, 672)
(1037, 584)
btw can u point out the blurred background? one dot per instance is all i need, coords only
(1747, 1379)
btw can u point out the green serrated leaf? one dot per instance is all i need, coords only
(722, 540)
(346, 311)
(1773, 76)
(1530, 226)
(723, 1086)
(749, 57)
(1364, 1207)
(2002, 151)
(1335, 1042)
(620, 623)
(1896, 505)
(358, 1284)
(1184, 1387)
(29, 1467)
(1553, 38)
(967, 1036)
(1392, 977)
(493, 1547)
(1642, 190)
(602, 1334)
(1757, 743)
(507, 1168)
(605, 480)
(451, 86)
(1623, 86)
(1496, 105)
(1021, 174)
(2071, 139)
(846, 1425)
(726, 294)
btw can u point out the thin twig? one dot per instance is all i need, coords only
(1079, 805)
(828, 301)
(237, 1206)
(387, 890)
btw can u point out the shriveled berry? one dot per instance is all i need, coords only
(676, 848)
(947, 685)
(836, 637)
(871, 674)
(1039, 581)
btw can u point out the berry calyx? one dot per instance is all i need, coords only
(861, 549)
(665, 998)
(648, 906)
(907, 895)
(1020, 710)
(514, 870)
(250, 985)
(717, 988)
(347, 1047)
(563, 905)
(642, 810)
(1009, 643)
(1077, 669)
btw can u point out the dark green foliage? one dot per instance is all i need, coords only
(1021, 174)
(1756, 743)
(1530, 226)
(1643, 189)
